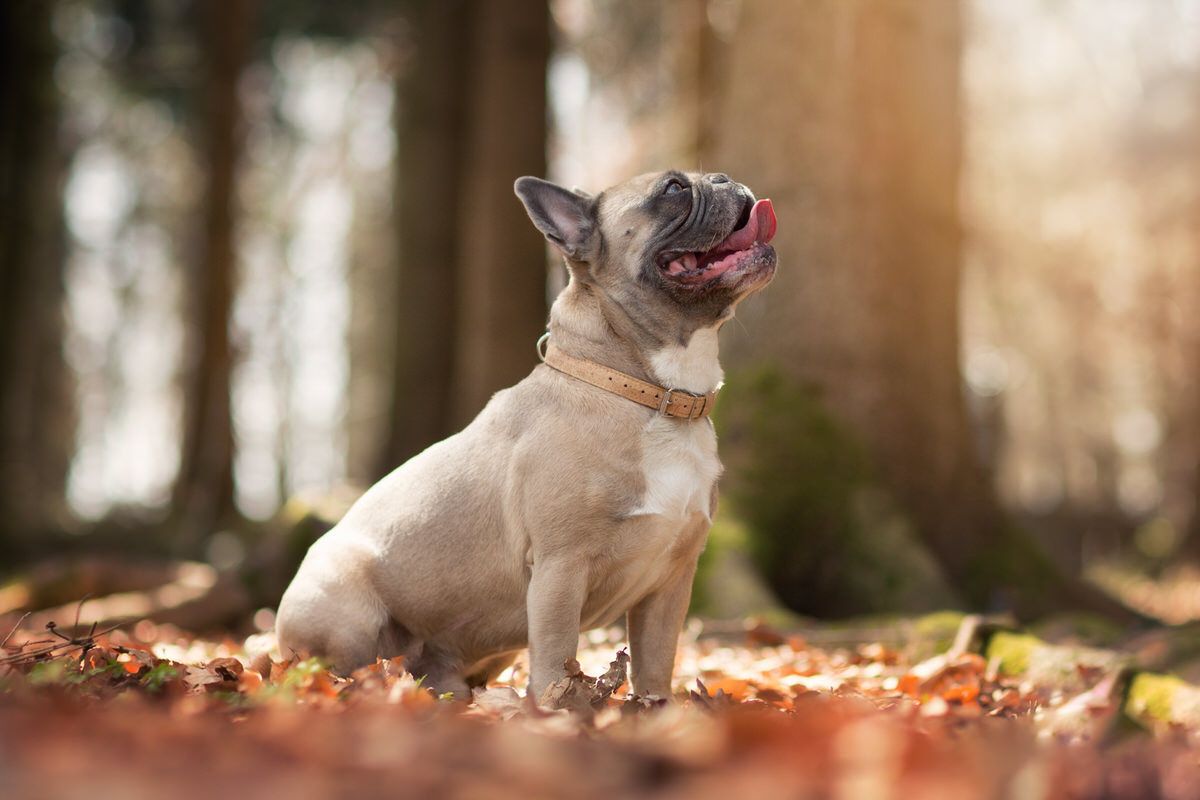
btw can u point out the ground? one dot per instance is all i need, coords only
(149, 711)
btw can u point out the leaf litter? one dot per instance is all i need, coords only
(158, 711)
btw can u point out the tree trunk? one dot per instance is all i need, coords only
(36, 412)
(862, 157)
(429, 120)
(501, 268)
(204, 488)
(1189, 549)
(1194, 528)
(471, 297)
(1191, 542)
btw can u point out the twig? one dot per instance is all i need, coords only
(68, 645)
(65, 646)
(79, 608)
(24, 617)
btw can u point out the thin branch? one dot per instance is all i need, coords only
(45, 649)
(24, 617)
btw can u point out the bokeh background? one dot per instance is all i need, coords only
(254, 254)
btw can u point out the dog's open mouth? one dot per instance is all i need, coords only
(753, 232)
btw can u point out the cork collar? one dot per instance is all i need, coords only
(668, 402)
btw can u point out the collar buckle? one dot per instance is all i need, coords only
(666, 401)
(694, 412)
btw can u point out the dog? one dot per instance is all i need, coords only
(584, 492)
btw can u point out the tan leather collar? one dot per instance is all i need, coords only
(668, 402)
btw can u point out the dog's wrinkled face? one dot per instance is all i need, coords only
(675, 248)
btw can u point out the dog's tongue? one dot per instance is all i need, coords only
(760, 228)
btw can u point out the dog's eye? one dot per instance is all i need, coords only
(673, 186)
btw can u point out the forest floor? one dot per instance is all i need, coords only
(945, 707)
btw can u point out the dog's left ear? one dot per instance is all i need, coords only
(566, 218)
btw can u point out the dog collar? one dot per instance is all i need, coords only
(668, 402)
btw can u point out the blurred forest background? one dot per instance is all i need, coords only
(254, 254)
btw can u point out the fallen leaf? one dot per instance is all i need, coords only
(228, 668)
(736, 688)
(250, 681)
(502, 702)
(965, 693)
(909, 684)
(196, 678)
(582, 694)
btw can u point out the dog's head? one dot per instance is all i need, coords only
(678, 246)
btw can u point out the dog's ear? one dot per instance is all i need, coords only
(568, 219)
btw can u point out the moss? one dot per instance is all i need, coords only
(1152, 696)
(1013, 650)
(1162, 700)
(827, 538)
(1064, 667)
(941, 626)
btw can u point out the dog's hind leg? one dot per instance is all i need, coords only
(333, 614)
(344, 641)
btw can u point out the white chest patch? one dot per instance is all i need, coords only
(679, 459)
(680, 465)
(693, 368)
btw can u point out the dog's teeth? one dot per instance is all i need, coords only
(685, 263)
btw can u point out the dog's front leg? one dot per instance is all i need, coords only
(653, 626)
(554, 605)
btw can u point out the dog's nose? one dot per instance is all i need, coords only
(717, 177)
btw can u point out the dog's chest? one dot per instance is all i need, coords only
(679, 458)
(679, 467)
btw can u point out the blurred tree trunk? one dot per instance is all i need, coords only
(36, 411)
(471, 297)
(1190, 546)
(848, 115)
(430, 89)
(1189, 549)
(1194, 528)
(501, 289)
(204, 488)
(694, 61)
(1181, 448)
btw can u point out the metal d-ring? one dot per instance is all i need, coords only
(542, 344)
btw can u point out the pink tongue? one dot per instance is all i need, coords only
(760, 228)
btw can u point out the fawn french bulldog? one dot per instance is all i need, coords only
(583, 492)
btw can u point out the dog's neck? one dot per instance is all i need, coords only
(580, 326)
(692, 367)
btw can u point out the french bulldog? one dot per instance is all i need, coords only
(584, 492)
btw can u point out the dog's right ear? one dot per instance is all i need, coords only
(566, 218)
